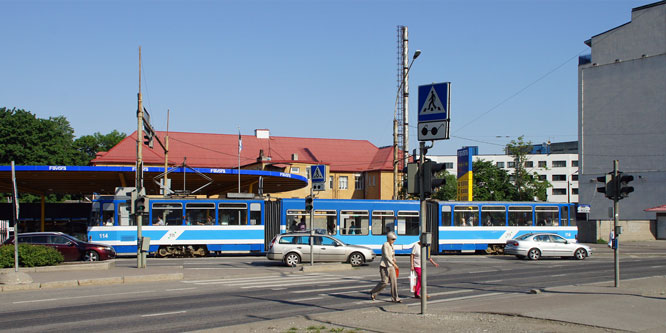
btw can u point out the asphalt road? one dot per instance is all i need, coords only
(199, 304)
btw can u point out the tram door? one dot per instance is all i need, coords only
(272, 212)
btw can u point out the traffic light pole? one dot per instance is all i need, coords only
(312, 227)
(616, 214)
(424, 229)
(140, 256)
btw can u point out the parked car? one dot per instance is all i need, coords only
(70, 247)
(537, 245)
(294, 247)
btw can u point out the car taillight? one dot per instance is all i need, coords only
(272, 242)
(514, 243)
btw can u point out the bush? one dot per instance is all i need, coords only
(30, 256)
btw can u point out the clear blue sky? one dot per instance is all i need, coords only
(325, 69)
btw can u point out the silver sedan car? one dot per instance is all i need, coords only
(294, 248)
(537, 245)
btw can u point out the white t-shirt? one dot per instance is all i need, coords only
(416, 252)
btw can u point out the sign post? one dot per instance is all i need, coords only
(434, 117)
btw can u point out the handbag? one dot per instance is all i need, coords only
(412, 281)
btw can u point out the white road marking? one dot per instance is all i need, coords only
(180, 289)
(331, 289)
(305, 299)
(77, 297)
(163, 314)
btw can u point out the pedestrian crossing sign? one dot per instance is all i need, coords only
(318, 173)
(434, 104)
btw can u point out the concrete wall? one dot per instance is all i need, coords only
(591, 231)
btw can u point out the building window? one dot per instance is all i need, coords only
(542, 177)
(330, 182)
(574, 191)
(574, 163)
(511, 165)
(295, 170)
(359, 183)
(559, 178)
(542, 164)
(559, 164)
(559, 191)
(529, 164)
(500, 164)
(574, 177)
(343, 182)
(448, 166)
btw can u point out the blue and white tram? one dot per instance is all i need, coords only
(358, 222)
(181, 226)
(486, 226)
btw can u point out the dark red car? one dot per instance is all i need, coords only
(70, 247)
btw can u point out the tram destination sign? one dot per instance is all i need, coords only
(434, 111)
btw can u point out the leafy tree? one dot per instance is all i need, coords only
(449, 190)
(89, 145)
(491, 183)
(528, 186)
(28, 140)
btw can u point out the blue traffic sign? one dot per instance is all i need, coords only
(318, 173)
(433, 114)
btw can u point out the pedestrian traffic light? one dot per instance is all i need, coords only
(142, 203)
(607, 185)
(431, 179)
(132, 201)
(148, 135)
(308, 204)
(413, 178)
(623, 188)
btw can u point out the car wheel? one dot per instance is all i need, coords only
(91, 255)
(356, 259)
(292, 259)
(534, 254)
(580, 254)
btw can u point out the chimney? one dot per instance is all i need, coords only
(262, 134)
(294, 157)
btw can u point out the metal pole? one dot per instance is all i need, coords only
(616, 214)
(311, 226)
(395, 157)
(422, 218)
(139, 169)
(15, 216)
(405, 96)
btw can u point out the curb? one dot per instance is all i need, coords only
(93, 282)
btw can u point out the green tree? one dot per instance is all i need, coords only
(89, 145)
(528, 186)
(491, 183)
(29, 140)
(449, 190)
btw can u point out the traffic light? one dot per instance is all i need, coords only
(132, 201)
(623, 188)
(148, 135)
(308, 204)
(413, 178)
(431, 181)
(142, 203)
(608, 186)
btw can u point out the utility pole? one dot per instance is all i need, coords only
(140, 256)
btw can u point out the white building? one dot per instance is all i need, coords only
(560, 169)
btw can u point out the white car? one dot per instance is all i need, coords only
(537, 245)
(294, 247)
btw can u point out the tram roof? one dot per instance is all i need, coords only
(104, 179)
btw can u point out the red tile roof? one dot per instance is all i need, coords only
(221, 151)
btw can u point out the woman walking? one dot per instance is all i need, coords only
(387, 268)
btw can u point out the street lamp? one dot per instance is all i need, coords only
(417, 53)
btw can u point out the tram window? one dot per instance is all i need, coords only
(255, 213)
(446, 216)
(171, 213)
(326, 220)
(547, 216)
(493, 216)
(408, 223)
(297, 220)
(382, 222)
(466, 216)
(233, 213)
(354, 223)
(520, 216)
